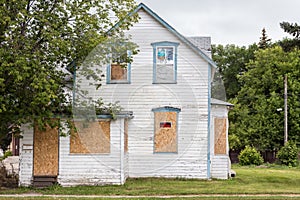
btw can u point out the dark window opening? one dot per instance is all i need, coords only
(165, 125)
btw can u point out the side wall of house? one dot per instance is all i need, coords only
(220, 167)
(26, 156)
(93, 169)
(190, 94)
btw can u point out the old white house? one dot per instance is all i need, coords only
(172, 128)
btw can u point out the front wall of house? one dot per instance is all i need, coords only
(190, 94)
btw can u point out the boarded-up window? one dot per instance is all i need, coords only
(45, 151)
(220, 135)
(126, 135)
(118, 72)
(91, 137)
(119, 68)
(165, 138)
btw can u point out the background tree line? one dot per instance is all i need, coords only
(253, 77)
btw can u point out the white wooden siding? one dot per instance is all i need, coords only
(26, 156)
(93, 169)
(190, 94)
(220, 166)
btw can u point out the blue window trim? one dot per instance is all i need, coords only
(164, 44)
(166, 109)
(108, 73)
(209, 123)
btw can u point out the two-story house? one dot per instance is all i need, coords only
(173, 128)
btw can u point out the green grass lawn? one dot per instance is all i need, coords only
(249, 180)
(163, 198)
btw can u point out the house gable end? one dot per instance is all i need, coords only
(169, 28)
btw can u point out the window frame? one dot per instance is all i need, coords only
(164, 44)
(128, 67)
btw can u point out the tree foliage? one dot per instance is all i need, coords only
(38, 40)
(291, 28)
(231, 61)
(264, 41)
(253, 79)
(255, 119)
(294, 30)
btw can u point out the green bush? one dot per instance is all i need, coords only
(234, 142)
(249, 156)
(288, 154)
(6, 154)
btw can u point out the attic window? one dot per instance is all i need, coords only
(165, 62)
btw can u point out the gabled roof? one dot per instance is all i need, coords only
(171, 29)
(202, 42)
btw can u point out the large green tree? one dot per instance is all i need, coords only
(231, 61)
(38, 40)
(256, 119)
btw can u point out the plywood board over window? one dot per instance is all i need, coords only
(90, 137)
(165, 138)
(45, 151)
(220, 135)
(118, 72)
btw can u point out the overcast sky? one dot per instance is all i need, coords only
(227, 21)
